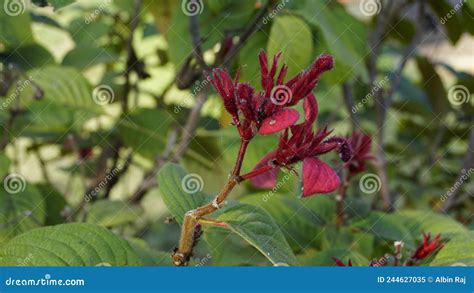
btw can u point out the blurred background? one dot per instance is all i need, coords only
(97, 96)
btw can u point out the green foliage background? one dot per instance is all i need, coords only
(84, 159)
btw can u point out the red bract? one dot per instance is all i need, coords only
(340, 263)
(427, 247)
(267, 111)
(301, 143)
(360, 144)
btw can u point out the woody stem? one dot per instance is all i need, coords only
(340, 202)
(186, 243)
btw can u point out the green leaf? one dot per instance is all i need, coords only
(55, 204)
(76, 244)
(292, 36)
(4, 165)
(459, 251)
(295, 217)
(454, 25)
(21, 207)
(433, 86)
(84, 57)
(386, 226)
(149, 256)
(429, 222)
(27, 57)
(171, 180)
(324, 257)
(59, 3)
(345, 37)
(65, 86)
(145, 131)
(248, 57)
(259, 229)
(111, 213)
(15, 27)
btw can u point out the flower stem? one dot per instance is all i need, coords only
(184, 251)
(340, 201)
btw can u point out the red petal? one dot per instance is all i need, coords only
(310, 106)
(318, 177)
(268, 179)
(279, 121)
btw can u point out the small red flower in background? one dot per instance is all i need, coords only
(361, 145)
(267, 111)
(340, 263)
(427, 247)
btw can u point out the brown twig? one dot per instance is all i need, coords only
(349, 101)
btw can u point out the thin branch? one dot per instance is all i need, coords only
(349, 101)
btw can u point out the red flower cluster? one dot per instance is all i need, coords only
(427, 247)
(360, 144)
(268, 112)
